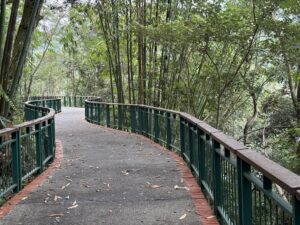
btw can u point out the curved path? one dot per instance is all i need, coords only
(106, 177)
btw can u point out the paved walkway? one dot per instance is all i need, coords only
(106, 177)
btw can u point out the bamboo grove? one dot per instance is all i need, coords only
(232, 63)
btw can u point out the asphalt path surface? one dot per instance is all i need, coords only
(106, 177)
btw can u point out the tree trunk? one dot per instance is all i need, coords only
(12, 64)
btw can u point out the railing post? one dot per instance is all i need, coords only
(16, 161)
(169, 131)
(59, 105)
(217, 177)
(244, 193)
(107, 116)
(296, 211)
(53, 134)
(65, 101)
(75, 102)
(38, 138)
(50, 137)
(182, 136)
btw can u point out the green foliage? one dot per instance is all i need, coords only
(226, 62)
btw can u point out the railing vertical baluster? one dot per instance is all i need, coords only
(201, 149)
(169, 131)
(120, 117)
(50, 138)
(140, 119)
(65, 101)
(38, 137)
(156, 126)
(190, 143)
(86, 105)
(16, 160)
(146, 121)
(107, 116)
(98, 114)
(244, 193)
(182, 136)
(217, 176)
(133, 118)
(296, 210)
(36, 113)
(75, 102)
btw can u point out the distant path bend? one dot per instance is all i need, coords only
(106, 177)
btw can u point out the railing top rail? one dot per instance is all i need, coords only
(50, 115)
(280, 175)
(141, 105)
(6, 131)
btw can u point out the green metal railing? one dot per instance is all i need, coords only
(66, 101)
(27, 148)
(243, 186)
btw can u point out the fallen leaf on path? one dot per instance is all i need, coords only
(56, 198)
(56, 214)
(183, 216)
(63, 187)
(149, 185)
(74, 205)
(209, 217)
(178, 187)
(24, 198)
(125, 172)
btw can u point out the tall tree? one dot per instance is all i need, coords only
(15, 50)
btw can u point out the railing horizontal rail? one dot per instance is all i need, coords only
(243, 186)
(26, 148)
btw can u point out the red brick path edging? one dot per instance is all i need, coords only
(203, 209)
(17, 198)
